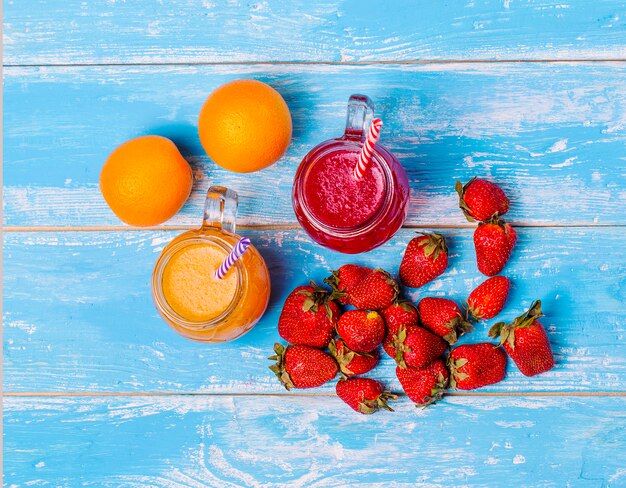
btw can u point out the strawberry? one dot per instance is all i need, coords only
(364, 395)
(481, 199)
(476, 365)
(494, 240)
(308, 317)
(389, 342)
(416, 347)
(302, 366)
(352, 363)
(377, 290)
(443, 317)
(425, 258)
(526, 341)
(343, 280)
(488, 299)
(402, 312)
(362, 331)
(424, 386)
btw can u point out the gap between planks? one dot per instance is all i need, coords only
(119, 228)
(325, 63)
(283, 395)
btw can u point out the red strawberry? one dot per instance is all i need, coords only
(481, 199)
(424, 386)
(443, 317)
(352, 363)
(343, 280)
(362, 331)
(308, 317)
(424, 259)
(526, 341)
(364, 395)
(416, 347)
(488, 299)
(476, 365)
(494, 240)
(302, 366)
(374, 292)
(389, 343)
(402, 312)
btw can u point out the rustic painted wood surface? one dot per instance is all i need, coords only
(102, 393)
(96, 329)
(234, 441)
(527, 125)
(187, 31)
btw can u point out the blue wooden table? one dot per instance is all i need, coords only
(100, 392)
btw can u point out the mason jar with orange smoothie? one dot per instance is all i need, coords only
(186, 289)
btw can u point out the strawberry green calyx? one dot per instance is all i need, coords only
(343, 357)
(437, 392)
(506, 332)
(496, 220)
(460, 189)
(319, 296)
(400, 348)
(458, 326)
(370, 406)
(433, 245)
(333, 282)
(472, 313)
(279, 368)
(455, 375)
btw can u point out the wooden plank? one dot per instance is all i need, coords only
(184, 31)
(79, 317)
(223, 441)
(552, 135)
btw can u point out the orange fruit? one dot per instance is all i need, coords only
(245, 126)
(146, 181)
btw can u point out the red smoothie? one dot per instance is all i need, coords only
(336, 198)
(341, 212)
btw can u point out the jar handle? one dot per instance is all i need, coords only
(220, 209)
(360, 115)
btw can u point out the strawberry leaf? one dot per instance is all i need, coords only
(383, 398)
(511, 338)
(329, 312)
(459, 363)
(496, 330)
(451, 337)
(398, 344)
(309, 305)
(366, 409)
(279, 368)
(460, 189)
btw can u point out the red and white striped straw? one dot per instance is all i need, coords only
(235, 254)
(365, 156)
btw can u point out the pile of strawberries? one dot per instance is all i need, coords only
(326, 340)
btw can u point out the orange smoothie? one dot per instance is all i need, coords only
(200, 306)
(190, 287)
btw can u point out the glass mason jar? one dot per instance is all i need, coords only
(337, 210)
(186, 293)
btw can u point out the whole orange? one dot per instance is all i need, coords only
(146, 181)
(245, 126)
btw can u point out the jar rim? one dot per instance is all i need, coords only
(319, 152)
(172, 249)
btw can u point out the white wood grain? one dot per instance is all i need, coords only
(268, 441)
